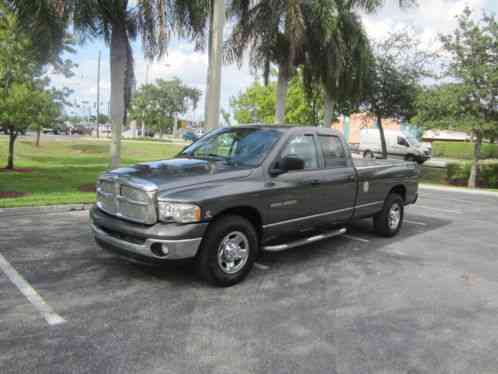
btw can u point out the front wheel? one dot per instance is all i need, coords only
(228, 251)
(388, 222)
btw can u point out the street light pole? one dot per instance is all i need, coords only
(213, 94)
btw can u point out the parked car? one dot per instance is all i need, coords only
(272, 188)
(5, 130)
(189, 137)
(399, 145)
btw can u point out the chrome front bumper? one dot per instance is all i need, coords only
(174, 249)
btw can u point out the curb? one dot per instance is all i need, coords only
(458, 189)
(26, 211)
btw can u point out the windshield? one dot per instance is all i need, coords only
(237, 146)
(412, 140)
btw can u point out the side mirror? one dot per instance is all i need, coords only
(287, 164)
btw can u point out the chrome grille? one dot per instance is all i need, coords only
(134, 194)
(125, 201)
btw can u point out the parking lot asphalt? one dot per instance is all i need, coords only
(423, 302)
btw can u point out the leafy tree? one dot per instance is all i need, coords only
(473, 52)
(118, 22)
(393, 80)
(338, 53)
(45, 111)
(257, 104)
(159, 104)
(18, 66)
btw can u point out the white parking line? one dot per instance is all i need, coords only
(259, 266)
(358, 239)
(415, 223)
(30, 293)
(436, 209)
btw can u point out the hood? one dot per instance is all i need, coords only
(179, 172)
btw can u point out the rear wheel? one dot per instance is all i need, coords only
(388, 222)
(228, 251)
(368, 155)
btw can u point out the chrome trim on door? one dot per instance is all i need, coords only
(321, 214)
(307, 217)
(369, 204)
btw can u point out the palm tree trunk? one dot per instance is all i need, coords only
(328, 110)
(213, 92)
(475, 170)
(382, 137)
(119, 66)
(38, 131)
(282, 87)
(12, 141)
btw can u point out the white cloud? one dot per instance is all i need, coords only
(430, 18)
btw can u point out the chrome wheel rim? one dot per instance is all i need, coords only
(394, 216)
(233, 252)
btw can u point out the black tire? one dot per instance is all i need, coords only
(369, 155)
(383, 222)
(208, 262)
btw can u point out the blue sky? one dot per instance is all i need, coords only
(429, 19)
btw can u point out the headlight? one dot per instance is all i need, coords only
(177, 212)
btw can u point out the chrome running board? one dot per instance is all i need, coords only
(300, 242)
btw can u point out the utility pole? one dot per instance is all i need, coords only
(213, 94)
(98, 98)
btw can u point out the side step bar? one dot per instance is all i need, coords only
(300, 242)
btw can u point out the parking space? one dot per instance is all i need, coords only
(423, 302)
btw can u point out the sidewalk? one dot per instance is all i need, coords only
(473, 191)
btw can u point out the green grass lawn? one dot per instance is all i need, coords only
(463, 150)
(60, 168)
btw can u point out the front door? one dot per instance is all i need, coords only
(295, 196)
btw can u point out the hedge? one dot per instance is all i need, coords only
(463, 150)
(458, 173)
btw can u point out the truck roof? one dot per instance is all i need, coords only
(322, 130)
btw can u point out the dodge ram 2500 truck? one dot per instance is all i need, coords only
(240, 190)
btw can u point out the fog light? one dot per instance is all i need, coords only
(160, 250)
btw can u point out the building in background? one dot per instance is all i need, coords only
(352, 125)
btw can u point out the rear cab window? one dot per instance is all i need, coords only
(332, 150)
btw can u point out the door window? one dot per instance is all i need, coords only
(402, 141)
(332, 150)
(303, 147)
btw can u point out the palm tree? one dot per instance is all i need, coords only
(274, 30)
(338, 55)
(118, 22)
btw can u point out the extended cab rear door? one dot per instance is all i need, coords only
(337, 179)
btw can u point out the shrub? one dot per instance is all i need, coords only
(458, 173)
(463, 150)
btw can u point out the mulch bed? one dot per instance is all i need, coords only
(12, 194)
(20, 170)
(88, 188)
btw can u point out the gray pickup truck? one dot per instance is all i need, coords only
(240, 190)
